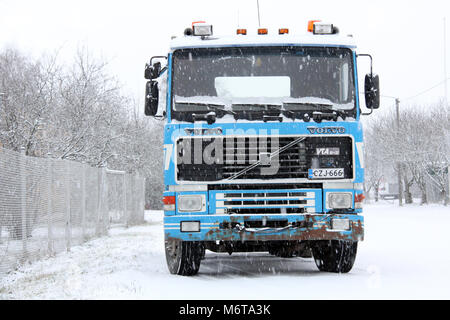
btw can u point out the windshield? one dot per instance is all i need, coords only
(256, 83)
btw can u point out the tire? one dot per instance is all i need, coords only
(183, 257)
(336, 256)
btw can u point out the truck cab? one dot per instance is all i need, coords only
(263, 145)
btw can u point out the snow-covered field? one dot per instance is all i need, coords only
(405, 255)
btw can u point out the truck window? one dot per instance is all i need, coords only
(226, 77)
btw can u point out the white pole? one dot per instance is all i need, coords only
(259, 20)
(83, 202)
(49, 204)
(68, 209)
(445, 63)
(23, 202)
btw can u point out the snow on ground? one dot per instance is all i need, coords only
(405, 255)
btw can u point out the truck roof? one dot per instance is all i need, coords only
(185, 42)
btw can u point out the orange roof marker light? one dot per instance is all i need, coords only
(241, 31)
(283, 31)
(263, 31)
(311, 25)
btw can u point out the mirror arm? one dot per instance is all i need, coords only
(371, 60)
(367, 113)
(159, 117)
(157, 57)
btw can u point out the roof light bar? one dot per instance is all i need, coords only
(241, 31)
(283, 31)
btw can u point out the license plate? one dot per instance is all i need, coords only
(326, 173)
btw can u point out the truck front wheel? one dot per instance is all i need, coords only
(334, 255)
(183, 257)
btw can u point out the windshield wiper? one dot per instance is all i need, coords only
(209, 117)
(317, 109)
(330, 108)
(208, 105)
(272, 106)
(268, 106)
(217, 108)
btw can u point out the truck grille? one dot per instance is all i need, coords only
(230, 157)
(265, 202)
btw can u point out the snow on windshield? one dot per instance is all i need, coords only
(244, 87)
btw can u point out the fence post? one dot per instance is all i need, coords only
(133, 201)
(143, 200)
(49, 203)
(105, 200)
(83, 202)
(68, 224)
(23, 209)
(99, 200)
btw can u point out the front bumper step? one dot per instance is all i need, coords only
(265, 228)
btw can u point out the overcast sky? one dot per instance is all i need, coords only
(406, 38)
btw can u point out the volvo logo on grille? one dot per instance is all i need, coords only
(326, 130)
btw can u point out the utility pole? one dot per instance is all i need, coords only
(445, 64)
(1, 106)
(399, 164)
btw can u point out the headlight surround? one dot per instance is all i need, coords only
(339, 200)
(191, 203)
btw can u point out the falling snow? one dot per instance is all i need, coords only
(404, 256)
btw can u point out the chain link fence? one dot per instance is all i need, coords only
(48, 206)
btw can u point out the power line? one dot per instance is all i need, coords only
(419, 94)
(429, 89)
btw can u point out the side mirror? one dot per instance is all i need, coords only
(151, 98)
(152, 72)
(372, 91)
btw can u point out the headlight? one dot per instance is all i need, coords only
(322, 28)
(190, 203)
(202, 30)
(340, 224)
(190, 226)
(339, 200)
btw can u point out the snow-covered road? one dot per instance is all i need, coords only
(405, 255)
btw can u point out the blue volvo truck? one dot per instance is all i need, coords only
(263, 144)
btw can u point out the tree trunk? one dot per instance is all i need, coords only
(408, 195)
(444, 196)
(423, 190)
(377, 186)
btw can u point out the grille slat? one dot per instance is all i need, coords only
(265, 202)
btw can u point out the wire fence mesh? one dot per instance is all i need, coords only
(48, 206)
